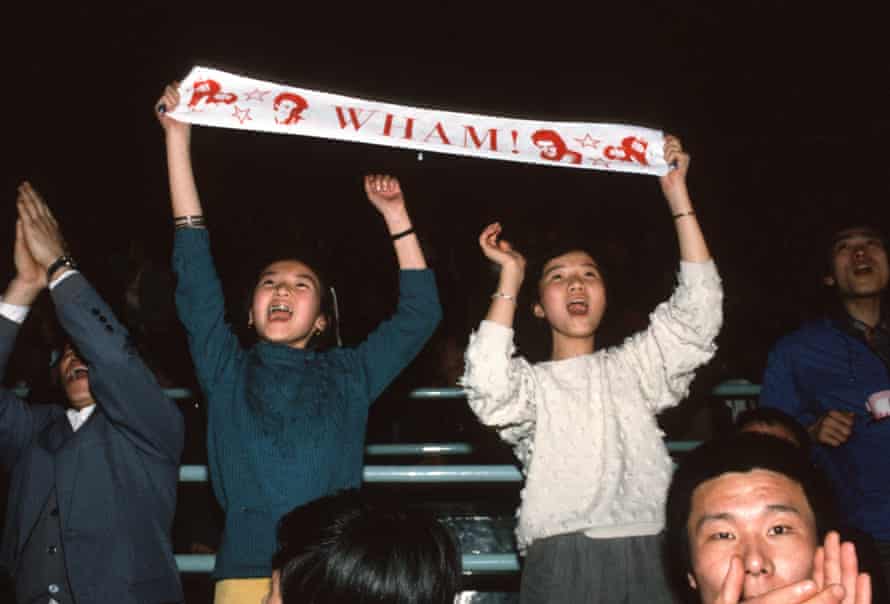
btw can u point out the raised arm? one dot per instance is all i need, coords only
(682, 330)
(397, 340)
(184, 198)
(18, 421)
(512, 264)
(122, 385)
(501, 389)
(199, 295)
(385, 193)
(693, 247)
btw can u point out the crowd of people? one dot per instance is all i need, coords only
(799, 511)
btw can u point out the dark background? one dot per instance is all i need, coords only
(782, 105)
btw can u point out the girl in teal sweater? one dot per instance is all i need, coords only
(286, 423)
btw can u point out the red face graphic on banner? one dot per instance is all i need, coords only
(553, 147)
(211, 92)
(632, 149)
(288, 107)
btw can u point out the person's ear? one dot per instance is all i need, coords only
(250, 318)
(691, 581)
(538, 310)
(829, 281)
(321, 323)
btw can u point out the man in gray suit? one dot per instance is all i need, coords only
(92, 487)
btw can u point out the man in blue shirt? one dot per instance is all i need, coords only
(833, 376)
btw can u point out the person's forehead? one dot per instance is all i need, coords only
(289, 267)
(741, 494)
(855, 232)
(573, 258)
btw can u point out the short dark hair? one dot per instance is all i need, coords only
(775, 417)
(341, 548)
(740, 452)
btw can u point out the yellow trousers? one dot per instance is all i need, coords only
(241, 591)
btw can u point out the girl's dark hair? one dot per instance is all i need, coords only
(741, 452)
(341, 548)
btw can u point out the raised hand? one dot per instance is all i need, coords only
(836, 563)
(385, 192)
(30, 276)
(512, 263)
(40, 231)
(673, 184)
(500, 251)
(168, 102)
(29, 272)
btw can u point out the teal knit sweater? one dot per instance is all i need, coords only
(285, 426)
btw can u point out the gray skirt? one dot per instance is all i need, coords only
(575, 569)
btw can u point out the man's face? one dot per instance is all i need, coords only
(74, 376)
(762, 517)
(859, 266)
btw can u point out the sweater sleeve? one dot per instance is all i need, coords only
(662, 359)
(396, 341)
(201, 307)
(500, 388)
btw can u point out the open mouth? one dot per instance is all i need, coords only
(280, 312)
(862, 268)
(577, 307)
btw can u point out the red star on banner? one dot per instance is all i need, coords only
(595, 161)
(256, 95)
(588, 141)
(242, 115)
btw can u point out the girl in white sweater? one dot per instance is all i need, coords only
(583, 424)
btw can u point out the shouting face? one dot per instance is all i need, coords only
(286, 305)
(74, 376)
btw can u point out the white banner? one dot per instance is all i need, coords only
(215, 98)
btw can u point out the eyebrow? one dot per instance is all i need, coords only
(308, 276)
(773, 507)
(559, 266)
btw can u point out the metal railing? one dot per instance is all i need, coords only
(425, 474)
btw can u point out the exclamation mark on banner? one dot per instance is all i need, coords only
(515, 135)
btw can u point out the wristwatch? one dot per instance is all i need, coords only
(63, 260)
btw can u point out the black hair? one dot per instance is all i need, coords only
(341, 548)
(740, 452)
(775, 417)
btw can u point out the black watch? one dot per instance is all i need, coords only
(63, 260)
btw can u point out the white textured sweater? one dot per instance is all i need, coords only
(584, 428)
